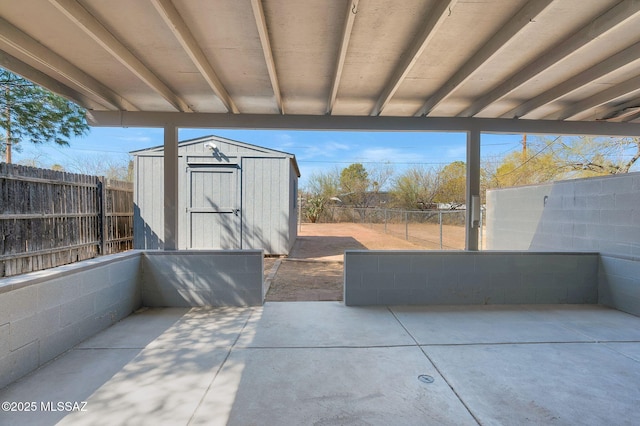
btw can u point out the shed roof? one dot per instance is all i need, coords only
(205, 139)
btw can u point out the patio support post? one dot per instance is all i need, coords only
(473, 188)
(170, 187)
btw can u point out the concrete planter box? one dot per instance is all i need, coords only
(455, 278)
(45, 313)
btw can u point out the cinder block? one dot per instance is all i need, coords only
(552, 294)
(57, 291)
(352, 278)
(394, 297)
(359, 261)
(88, 283)
(255, 262)
(616, 217)
(99, 321)
(98, 275)
(377, 280)
(583, 244)
(520, 295)
(57, 343)
(582, 294)
(124, 268)
(527, 262)
(473, 280)
(493, 296)
(560, 263)
(421, 297)
(441, 280)
(626, 234)
(495, 263)
(621, 267)
(131, 295)
(107, 297)
(506, 279)
(588, 186)
(77, 310)
(361, 297)
(431, 263)
(155, 279)
(616, 184)
(18, 363)
(17, 304)
(49, 321)
(23, 332)
(459, 262)
(5, 344)
(410, 280)
(238, 297)
(230, 263)
(628, 303)
(394, 263)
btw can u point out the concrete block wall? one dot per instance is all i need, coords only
(443, 278)
(43, 314)
(596, 214)
(202, 278)
(619, 283)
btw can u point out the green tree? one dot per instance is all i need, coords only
(360, 187)
(29, 112)
(452, 184)
(585, 156)
(416, 188)
(318, 192)
(528, 168)
(354, 181)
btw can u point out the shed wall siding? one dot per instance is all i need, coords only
(264, 204)
(149, 206)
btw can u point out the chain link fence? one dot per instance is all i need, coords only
(430, 229)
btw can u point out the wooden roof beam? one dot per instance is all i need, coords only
(435, 19)
(181, 31)
(89, 88)
(101, 35)
(611, 19)
(609, 65)
(352, 10)
(513, 26)
(16, 66)
(261, 25)
(619, 90)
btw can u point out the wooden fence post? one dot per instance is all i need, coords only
(102, 215)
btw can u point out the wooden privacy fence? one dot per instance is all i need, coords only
(50, 218)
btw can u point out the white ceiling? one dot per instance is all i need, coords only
(571, 60)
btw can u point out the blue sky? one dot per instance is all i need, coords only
(315, 151)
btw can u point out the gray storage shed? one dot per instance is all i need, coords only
(232, 195)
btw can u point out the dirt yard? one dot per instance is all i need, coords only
(314, 269)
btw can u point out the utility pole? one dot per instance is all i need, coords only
(524, 146)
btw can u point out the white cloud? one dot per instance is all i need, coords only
(457, 152)
(390, 155)
(328, 149)
(144, 139)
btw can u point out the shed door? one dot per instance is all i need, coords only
(214, 219)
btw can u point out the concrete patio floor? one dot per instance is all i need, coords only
(322, 363)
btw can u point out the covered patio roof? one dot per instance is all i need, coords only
(544, 66)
